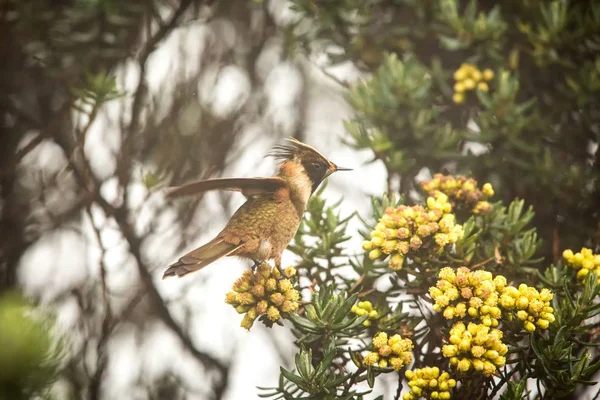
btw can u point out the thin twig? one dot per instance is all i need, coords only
(353, 379)
(481, 264)
(105, 295)
(82, 136)
(102, 355)
(500, 384)
(366, 292)
(358, 282)
(597, 395)
(334, 78)
(165, 29)
(29, 147)
(399, 389)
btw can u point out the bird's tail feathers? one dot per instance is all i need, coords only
(201, 257)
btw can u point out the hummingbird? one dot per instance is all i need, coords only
(262, 228)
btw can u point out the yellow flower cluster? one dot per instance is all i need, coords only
(405, 230)
(461, 190)
(532, 307)
(365, 308)
(475, 347)
(428, 383)
(469, 77)
(478, 294)
(264, 292)
(462, 291)
(393, 352)
(585, 262)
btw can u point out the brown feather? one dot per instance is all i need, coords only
(201, 257)
(294, 149)
(249, 187)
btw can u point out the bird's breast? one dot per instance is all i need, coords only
(264, 249)
(266, 226)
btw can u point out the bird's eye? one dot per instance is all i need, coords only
(317, 166)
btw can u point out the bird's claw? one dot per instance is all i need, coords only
(256, 264)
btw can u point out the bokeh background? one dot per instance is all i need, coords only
(218, 92)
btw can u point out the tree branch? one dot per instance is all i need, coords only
(123, 162)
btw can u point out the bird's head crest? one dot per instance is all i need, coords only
(295, 149)
(316, 165)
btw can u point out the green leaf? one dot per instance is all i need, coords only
(344, 310)
(370, 377)
(301, 322)
(304, 363)
(294, 378)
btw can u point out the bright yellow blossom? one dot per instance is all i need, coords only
(393, 352)
(529, 305)
(476, 347)
(403, 232)
(469, 84)
(467, 78)
(585, 261)
(461, 192)
(458, 97)
(462, 291)
(428, 382)
(479, 295)
(488, 74)
(483, 87)
(265, 292)
(365, 308)
(459, 87)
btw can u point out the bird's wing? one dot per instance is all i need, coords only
(250, 187)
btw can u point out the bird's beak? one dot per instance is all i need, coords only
(334, 168)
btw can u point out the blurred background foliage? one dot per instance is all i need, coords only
(31, 354)
(87, 126)
(532, 131)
